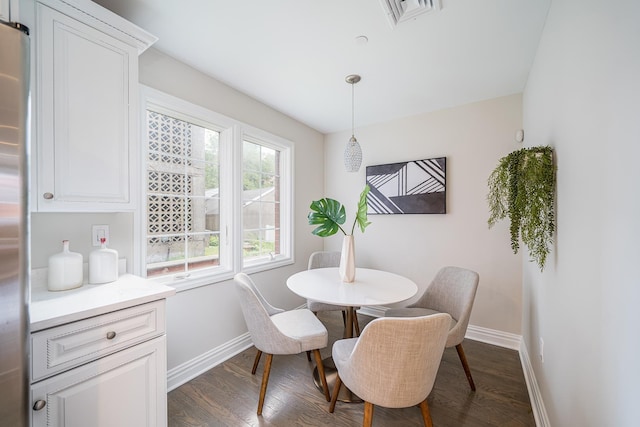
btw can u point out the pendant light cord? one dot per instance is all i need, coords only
(352, 111)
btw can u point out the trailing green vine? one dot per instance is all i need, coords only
(522, 188)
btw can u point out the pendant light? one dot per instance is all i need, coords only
(352, 152)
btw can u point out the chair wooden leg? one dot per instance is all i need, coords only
(344, 318)
(465, 365)
(336, 391)
(255, 362)
(368, 414)
(355, 323)
(265, 381)
(426, 414)
(321, 374)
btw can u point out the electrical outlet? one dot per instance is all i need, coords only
(98, 232)
(541, 350)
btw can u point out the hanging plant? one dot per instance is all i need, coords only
(522, 188)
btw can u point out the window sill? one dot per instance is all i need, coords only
(201, 278)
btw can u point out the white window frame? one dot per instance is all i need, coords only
(285, 147)
(232, 134)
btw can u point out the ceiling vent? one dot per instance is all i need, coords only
(399, 11)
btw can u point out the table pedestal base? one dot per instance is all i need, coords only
(331, 372)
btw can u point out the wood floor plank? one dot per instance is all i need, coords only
(227, 395)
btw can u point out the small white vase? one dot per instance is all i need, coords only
(65, 269)
(348, 260)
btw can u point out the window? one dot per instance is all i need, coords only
(183, 203)
(260, 201)
(193, 231)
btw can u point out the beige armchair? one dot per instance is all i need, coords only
(276, 331)
(393, 364)
(324, 259)
(452, 291)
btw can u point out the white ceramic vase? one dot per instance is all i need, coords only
(103, 265)
(348, 260)
(65, 269)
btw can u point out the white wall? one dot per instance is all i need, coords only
(48, 230)
(472, 138)
(582, 97)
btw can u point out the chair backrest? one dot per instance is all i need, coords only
(265, 334)
(246, 280)
(395, 361)
(324, 259)
(452, 291)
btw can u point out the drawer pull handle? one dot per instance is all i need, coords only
(39, 405)
(48, 196)
(111, 335)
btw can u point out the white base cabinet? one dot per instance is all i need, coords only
(107, 370)
(126, 389)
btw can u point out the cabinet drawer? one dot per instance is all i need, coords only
(64, 347)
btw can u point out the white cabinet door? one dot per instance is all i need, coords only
(126, 389)
(86, 113)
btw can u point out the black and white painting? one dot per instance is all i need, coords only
(415, 187)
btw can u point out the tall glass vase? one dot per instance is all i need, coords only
(348, 260)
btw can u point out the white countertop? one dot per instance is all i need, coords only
(49, 309)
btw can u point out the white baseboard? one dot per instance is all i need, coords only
(494, 337)
(537, 404)
(373, 311)
(201, 364)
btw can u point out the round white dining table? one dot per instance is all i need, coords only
(370, 287)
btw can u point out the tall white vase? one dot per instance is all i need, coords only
(103, 264)
(348, 260)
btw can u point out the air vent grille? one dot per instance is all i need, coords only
(399, 11)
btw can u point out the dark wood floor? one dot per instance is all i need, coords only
(227, 395)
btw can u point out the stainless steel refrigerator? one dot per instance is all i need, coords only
(14, 291)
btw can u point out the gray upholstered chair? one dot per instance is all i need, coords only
(452, 291)
(393, 364)
(276, 331)
(325, 259)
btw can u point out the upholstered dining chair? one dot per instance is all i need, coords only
(276, 331)
(393, 364)
(452, 291)
(324, 259)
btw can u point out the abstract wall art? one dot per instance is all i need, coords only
(414, 187)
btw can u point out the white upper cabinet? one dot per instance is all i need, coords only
(87, 116)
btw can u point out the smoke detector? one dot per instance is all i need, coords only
(399, 11)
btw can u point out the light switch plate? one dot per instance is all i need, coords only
(98, 232)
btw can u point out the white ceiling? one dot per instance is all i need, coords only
(294, 55)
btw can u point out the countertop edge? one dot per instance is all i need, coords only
(127, 291)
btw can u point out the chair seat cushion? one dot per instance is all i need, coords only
(302, 326)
